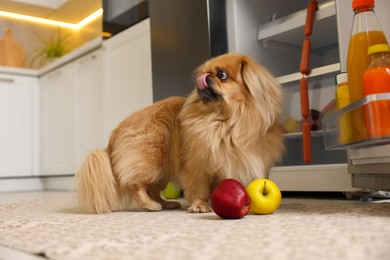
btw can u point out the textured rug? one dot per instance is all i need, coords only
(299, 229)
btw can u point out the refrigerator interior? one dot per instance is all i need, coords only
(272, 33)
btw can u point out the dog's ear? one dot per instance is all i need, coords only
(264, 89)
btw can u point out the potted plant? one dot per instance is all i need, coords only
(51, 49)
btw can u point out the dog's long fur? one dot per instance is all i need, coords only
(226, 128)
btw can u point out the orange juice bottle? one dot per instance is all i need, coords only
(376, 80)
(366, 32)
(345, 135)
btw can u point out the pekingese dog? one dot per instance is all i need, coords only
(227, 128)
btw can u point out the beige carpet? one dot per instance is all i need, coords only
(300, 229)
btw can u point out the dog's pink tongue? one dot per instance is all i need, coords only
(201, 81)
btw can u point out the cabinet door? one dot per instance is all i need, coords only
(18, 125)
(128, 76)
(88, 104)
(57, 122)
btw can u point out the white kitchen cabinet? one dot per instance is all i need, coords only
(127, 74)
(19, 125)
(84, 100)
(88, 104)
(71, 114)
(57, 133)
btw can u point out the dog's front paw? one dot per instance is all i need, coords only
(151, 206)
(199, 207)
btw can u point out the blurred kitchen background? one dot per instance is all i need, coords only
(71, 70)
(38, 38)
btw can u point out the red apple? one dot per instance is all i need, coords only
(230, 199)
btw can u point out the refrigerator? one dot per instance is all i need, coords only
(186, 33)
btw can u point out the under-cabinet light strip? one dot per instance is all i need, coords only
(74, 26)
(89, 18)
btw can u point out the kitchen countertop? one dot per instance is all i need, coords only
(83, 49)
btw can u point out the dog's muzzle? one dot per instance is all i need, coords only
(206, 90)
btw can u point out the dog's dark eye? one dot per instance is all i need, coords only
(221, 75)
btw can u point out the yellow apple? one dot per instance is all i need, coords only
(172, 191)
(265, 196)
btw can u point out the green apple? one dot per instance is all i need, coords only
(265, 196)
(172, 191)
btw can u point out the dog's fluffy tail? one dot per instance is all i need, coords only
(96, 184)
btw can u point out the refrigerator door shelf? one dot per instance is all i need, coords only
(338, 129)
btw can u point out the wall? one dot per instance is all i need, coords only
(33, 36)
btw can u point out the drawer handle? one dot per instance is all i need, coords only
(7, 80)
(55, 74)
(93, 57)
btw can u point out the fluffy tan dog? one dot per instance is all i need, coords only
(227, 128)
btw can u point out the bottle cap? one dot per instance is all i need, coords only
(378, 48)
(342, 78)
(357, 3)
